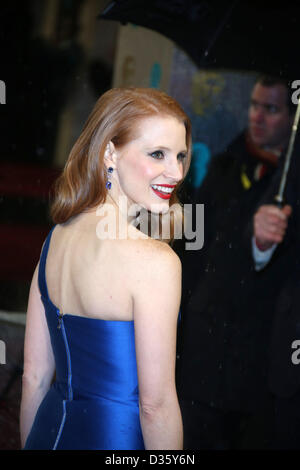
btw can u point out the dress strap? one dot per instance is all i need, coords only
(42, 266)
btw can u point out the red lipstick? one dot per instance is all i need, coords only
(163, 194)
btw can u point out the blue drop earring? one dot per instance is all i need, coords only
(108, 182)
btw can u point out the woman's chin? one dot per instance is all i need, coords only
(159, 208)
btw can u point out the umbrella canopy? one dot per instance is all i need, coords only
(233, 35)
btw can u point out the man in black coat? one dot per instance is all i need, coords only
(227, 306)
(274, 235)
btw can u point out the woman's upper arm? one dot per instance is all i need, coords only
(156, 303)
(38, 355)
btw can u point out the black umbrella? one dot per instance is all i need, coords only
(234, 34)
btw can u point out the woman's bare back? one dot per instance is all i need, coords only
(95, 278)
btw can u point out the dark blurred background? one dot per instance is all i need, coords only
(56, 59)
(46, 61)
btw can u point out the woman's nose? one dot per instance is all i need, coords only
(174, 170)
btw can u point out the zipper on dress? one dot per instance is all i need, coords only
(60, 315)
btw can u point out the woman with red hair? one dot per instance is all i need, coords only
(104, 300)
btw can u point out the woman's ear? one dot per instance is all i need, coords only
(110, 155)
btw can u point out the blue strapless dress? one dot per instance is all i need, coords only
(94, 401)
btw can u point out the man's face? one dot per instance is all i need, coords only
(269, 118)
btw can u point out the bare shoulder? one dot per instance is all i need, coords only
(141, 263)
(155, 285)
(152, 262)
(153, 253)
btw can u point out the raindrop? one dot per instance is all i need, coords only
(40, 151)
(207, 268)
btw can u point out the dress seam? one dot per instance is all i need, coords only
(61, 426)
(70, 390)
(69, 381)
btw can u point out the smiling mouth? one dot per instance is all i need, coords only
(164, 191)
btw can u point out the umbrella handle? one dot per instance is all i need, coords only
(279, 196)
(278, 203)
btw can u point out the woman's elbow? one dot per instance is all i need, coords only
(32, 381)
(150, 409)
(34, 377)
(154, 406)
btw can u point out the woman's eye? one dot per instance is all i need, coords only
(158, 154)
(181, 156)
